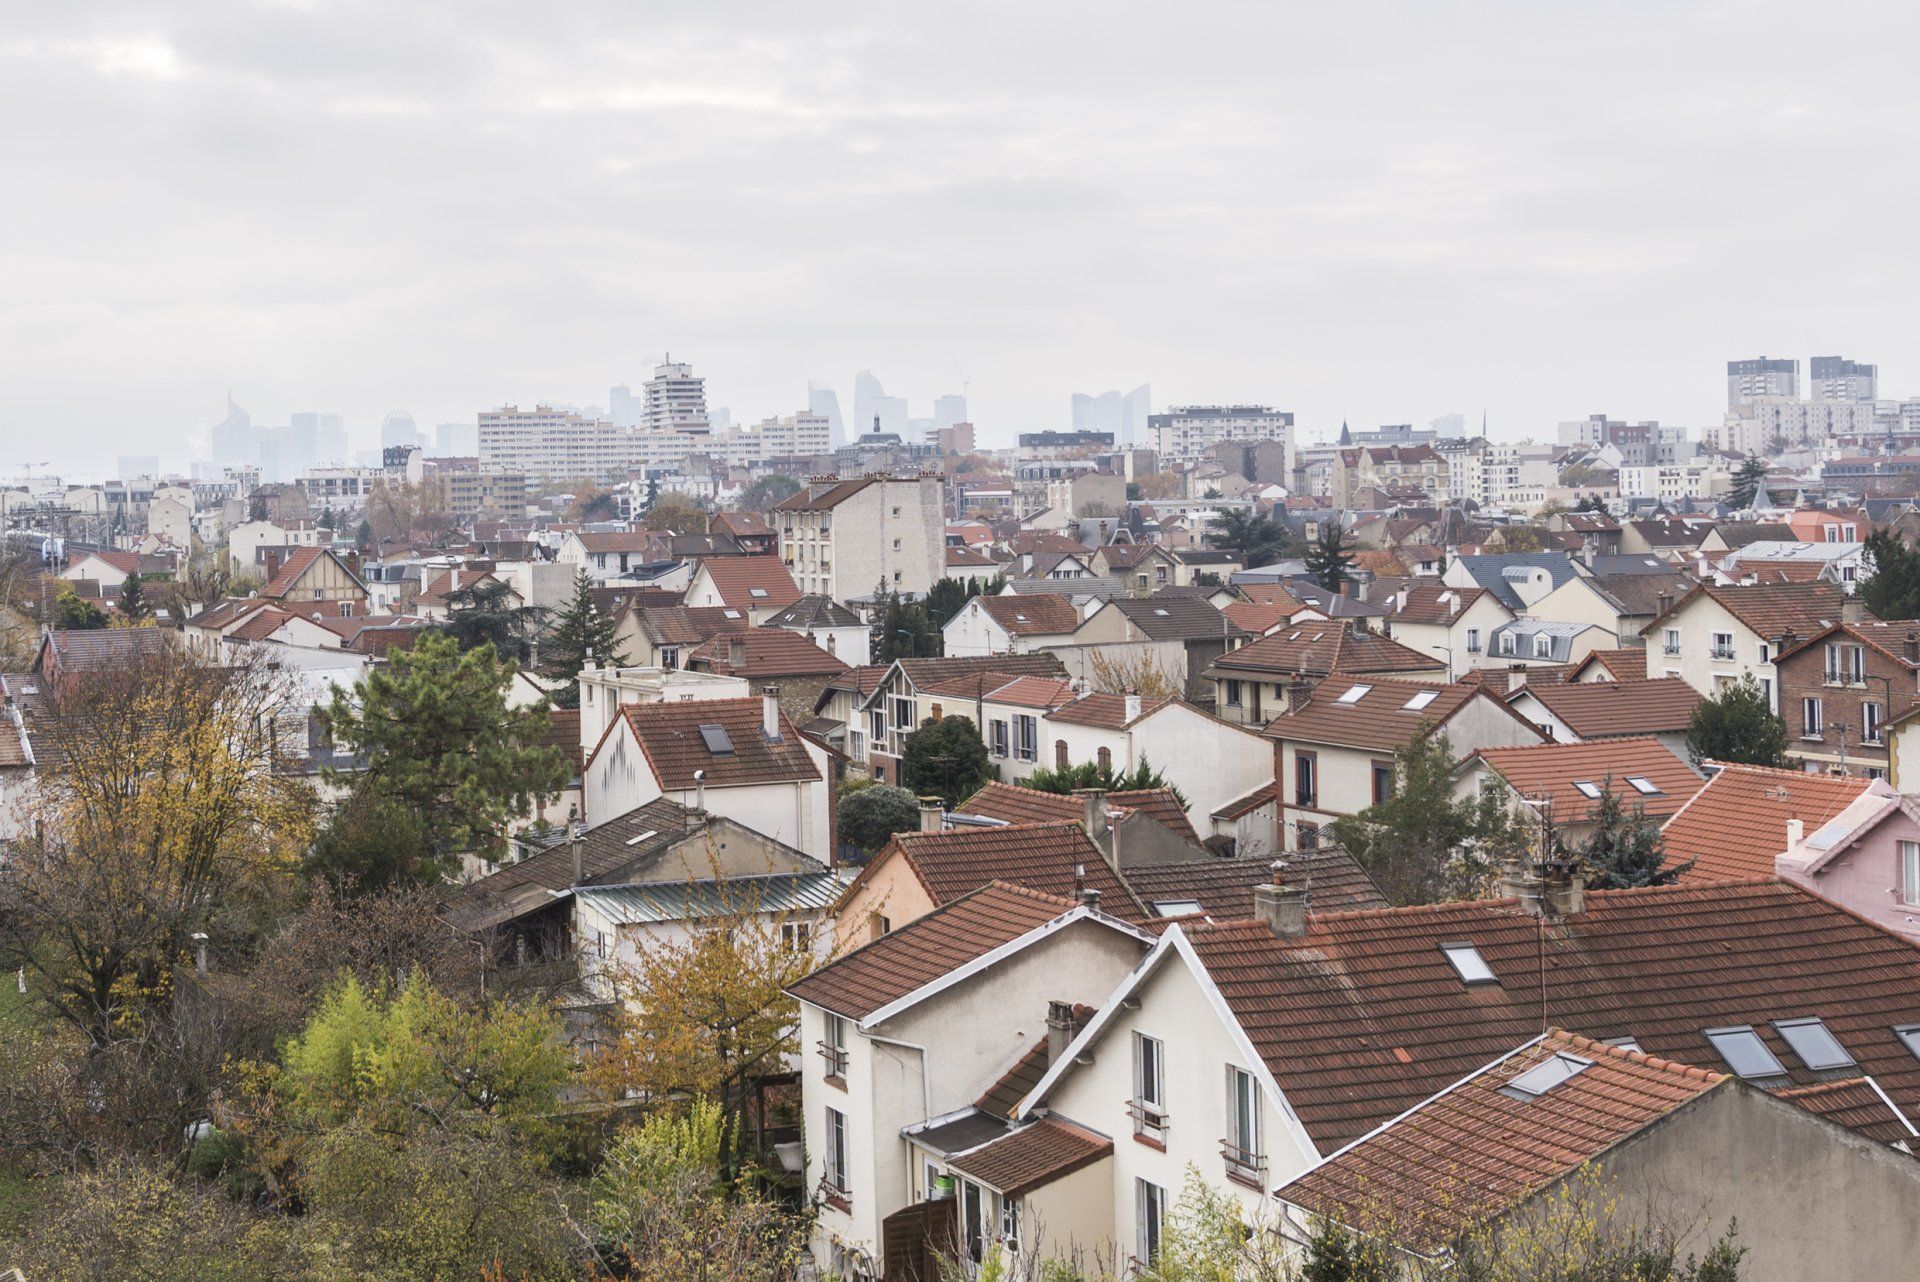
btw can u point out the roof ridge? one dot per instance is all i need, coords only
(1668, 1066)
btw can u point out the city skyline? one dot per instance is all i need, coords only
(1466, 232)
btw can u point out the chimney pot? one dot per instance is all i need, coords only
(1913, 646)
(770, 713)
(1089, 897)
(933, 818)
(1564, 893)
(1796, 832)
(1282, 908)
(1060, 1029)
(1133, 707)
(578, 850)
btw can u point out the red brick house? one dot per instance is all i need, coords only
(1840, 687)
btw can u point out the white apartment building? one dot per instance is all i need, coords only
(674, 400)
(801, 435)
(1186, 432)
(1704, 478)
(1772, 424)
(552, 444)
(844, 538)
(1511, 466)
(339, 489)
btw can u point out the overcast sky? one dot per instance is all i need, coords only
(1382, 212)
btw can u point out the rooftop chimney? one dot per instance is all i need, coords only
(200, 953)
(1663, 602)
(1133, 707)
(1564, 892)
(1060, 1029)
(700, 791)
(736, 652)
(932, 817)
(1853, 610)
(1796, 832)
(577, 848)
(1913, 646)
(1517, 881)
(1282, 908)
(770, 713)
(1093, 814)
(1089, 897)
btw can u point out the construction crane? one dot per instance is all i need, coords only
(965, 382)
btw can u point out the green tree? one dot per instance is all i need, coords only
(906, 630)
(1330, 557)
(945, 598)
(1206, 579)
(73, 612)
(1590, 503)
(1624, 851)
(580, 630)
(1092, 774)
(1259, 539)
(676, 514)
(133, 600)
(945, 759)
(1892, 589)
(437, 737)
(1417, 843)
(1747, 481)
(1737, 725)
(369, 843)
(363, 533)
(870, 816)
(484, 613)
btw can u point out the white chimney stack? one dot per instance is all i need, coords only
(770, 713)
(1133, 708)
(1796, 832)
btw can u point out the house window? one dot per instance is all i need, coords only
(670, 657)
(1672, 641)
(1382, 781)
(1242, 1145)
(1810, 718)
(1506, 643)
(836, 1155)
(1232, 694)
(1910, 872)
(1306, 783)
(1473, 640)
(796, 936)
(1543, 647)
(1060, 759)
(1149, 1088)
(973, 1220)
(999, 737)
(1846, 664)
(1150, 1208)
(1105, 758)
(1723, 645)
(1026, 738)
(902, 712)
(1871, 715)
(833, 1047)
(878, 720)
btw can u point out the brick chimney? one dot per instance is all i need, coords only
(1564, 891)
(1060, 1029)
(1283, 908)
(1517, 881)
(933, 818)
(736, 653)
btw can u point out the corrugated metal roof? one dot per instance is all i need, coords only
(655, 902)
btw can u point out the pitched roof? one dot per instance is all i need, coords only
(1618, 709)
(1552, 769)
(1637, 594)
(1223, 888)
(1258, 620)
(295, 567)
(739, 524)
(765, 652)
(674, 737)
(1364, 1016)
(1032, 614)
(1857, 1104)
(102, 649)
(1176, 618)
(1433, 603)
(441, 586)
(1369, 712)
(752, 582)
(1889, 637)
(925, 672)
(1052, 858)
(815, 611)
(1026, 692)
(1624, 665)
(612, 542)
(1318, 648)
(822, 494)
(928, 948)
(1490, 572)
(1737, 534)
(1013, 804)
(1481, 1146)
(1736, 826)
(1769, 610)
(1108, 711)
(1032, 1156)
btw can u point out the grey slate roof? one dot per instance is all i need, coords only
(651, 902)
(1177, 618)
(815, 611)
(1524, 631)
(1490, 572)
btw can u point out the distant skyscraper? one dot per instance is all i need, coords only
(1751, 380)
(676, 401)
(333, 449)
(948, 410)
(1449, 425)
(824, 402)
(623, 407)
(397, 429)
(456, 440)
(874, 410)
(1121, 415)
(233, 438)
(1835, 379)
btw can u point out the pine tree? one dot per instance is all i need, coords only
(1624, 851)
(580, 631)
(1330, 558)
(484, 613)
(1747, 482)
(1892, 589)
(133, 600)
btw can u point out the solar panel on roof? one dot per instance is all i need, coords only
(715, 737)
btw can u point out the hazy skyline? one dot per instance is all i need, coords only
(1377, 212)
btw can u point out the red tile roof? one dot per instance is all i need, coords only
(1333, 879)
(928, 948)
(1052, 858)
(1380, 718)
(1476, 1150)
(1736, 825)
(1853, 1102)
(821, 495)
(298, 562)
(1107, 711)
(1031, 614)
(764, 652)
(1618, 709)
(1770, 610)
(1363, 1016)
(752, 582)
(1322, 647)
(1033, 1156)
(670, 736)
(1624, 665)
(1258, 620)
(1027, 692)
(1551, 770)
(1016, 805)
(1434, 603)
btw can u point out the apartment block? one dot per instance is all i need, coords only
(843, 538)
(1186, 432)
(552, 444)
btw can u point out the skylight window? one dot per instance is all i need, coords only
(1355, 694)
(1546, 1075)
(1175, 907)
(1744, 1052)
(1420, 700)
(1814, 1043)
(651, 832)
(1909, 1035)
(1628, 1043)
(715, 737)
(729, 614)
(1587, 788)
(1162, 613)
(1644, 786)
(1469, 964)
(756, 591)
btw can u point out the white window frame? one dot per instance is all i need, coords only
(1812, 720)
(833, 1046)
(1473, 640)
(1909, 872)
(1872, 718)
(1149, 1214)
(1242, 1149)
(1721, 646)
(1542, 646)
(833, 1162)
(902, 711)
(1672, 641)
(1149, 1087)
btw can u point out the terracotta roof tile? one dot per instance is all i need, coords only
(764, 652)
(1033, 1156)
(752, 582)
(928, 948)
(1108, 711)
(1052, 858)
(1258, 620)
(1736, 826)
(1319, 648)
(1032, 614)
(1433, 603)
(1624, 665)
(1770, 610)
(1619, 709)
(1223, 888)
(1853, 1102)
(1479, 1148)
(1551, 770)
(821, 495)
(1014, 804)
(1386, 714)
(671, 736)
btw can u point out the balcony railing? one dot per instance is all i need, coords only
(1722, 652)
(1244, 1163)
(1673, 647)
(835, 1057)
(1149, 1120)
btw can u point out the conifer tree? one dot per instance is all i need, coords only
(580, 631)
(133, 600)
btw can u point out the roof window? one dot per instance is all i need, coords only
(1420, 700)
(1175, 907)
(1354, 694)
(1587, 788)
(1546, 1075)
(1744, 1052)
(651, 832)
(1909, 1035)
(1644, 786)
(1814, 1043)
(1162, 613)
(1469, 964)
(756, 591)
(729, 614)
(715, 737)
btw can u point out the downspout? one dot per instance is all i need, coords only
(926, 1082)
